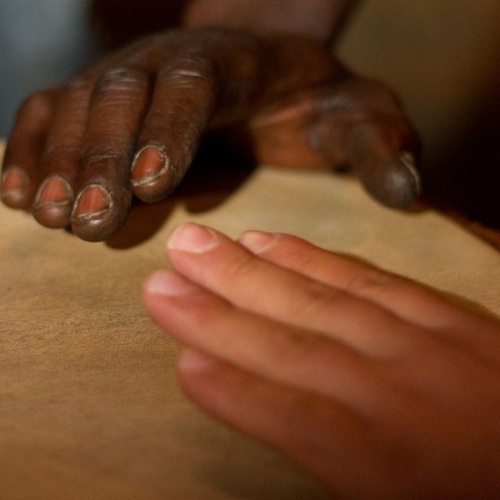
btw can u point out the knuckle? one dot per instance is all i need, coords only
(382, 97)
(193, 69)
(365, 100)
(102, 153)
(370, 280)
(241, 269)
(81, 84)
(294, 348)
(59, 156)
(316, 301)
(120, 79)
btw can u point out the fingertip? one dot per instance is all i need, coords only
(53, 203)
(53, 216)
(148, 163)
(95, 230)
(396, 184)
(14, 187)
(191, 362)
(193, 238)
(92, 202)
(151, 174)
(98, 213)
(167, 283)
(203, 379)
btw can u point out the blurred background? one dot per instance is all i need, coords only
(42, 43)
(441, 56)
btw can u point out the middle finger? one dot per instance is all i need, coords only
(118, 103)
(287, 355)
(215, 262)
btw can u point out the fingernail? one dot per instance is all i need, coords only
(14, 180)
(93, 201)
(148, 165)
(193, 238)
(167, 283)
(194, 361)
(398, 184)
(54, 191)
(409, 162)
(258, 241)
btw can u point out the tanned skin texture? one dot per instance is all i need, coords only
(131, 124)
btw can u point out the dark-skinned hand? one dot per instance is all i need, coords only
(131, 125)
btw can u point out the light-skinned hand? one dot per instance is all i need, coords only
(376, 385)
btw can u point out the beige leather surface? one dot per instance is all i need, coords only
(89, 407)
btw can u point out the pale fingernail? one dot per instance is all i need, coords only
(149, 164)
(193, 238)
(258, 241)
(93, 201)
(14, 180)
(55, 191)
(409, 161)
(168, 283)
(194, 361)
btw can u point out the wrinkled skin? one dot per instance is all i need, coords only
(377, 386)
(132, 123)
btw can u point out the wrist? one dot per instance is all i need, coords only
(315, 19)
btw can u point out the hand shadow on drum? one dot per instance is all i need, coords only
(219, 169)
